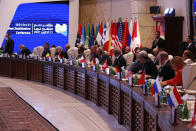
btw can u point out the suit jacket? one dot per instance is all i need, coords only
(104, 57)
(46, 51)
(150, 68)
(166, 71)
(80, 56)
(25, 52)
(8, 46)
(63, 54)
(120, 62)
(160, 44)
(192, 48)
(185, 46)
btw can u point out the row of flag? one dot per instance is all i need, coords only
(174, 99)
(111, 35)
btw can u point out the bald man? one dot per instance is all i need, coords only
(24, 51)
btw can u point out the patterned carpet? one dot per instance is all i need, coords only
(16, 114)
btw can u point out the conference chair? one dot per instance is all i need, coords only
(113, 59)
(73, 51)
(188, 74)
(170, 57)
(129, 59)
(87, 54)
(41, 50)
(151, 56)
(53, 51)
(35, 51)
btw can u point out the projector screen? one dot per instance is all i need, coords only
(37, 23)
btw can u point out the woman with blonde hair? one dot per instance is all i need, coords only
(177, 64)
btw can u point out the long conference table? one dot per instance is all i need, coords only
(125, 103)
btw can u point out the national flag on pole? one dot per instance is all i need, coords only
(126, 35)
(136, 40)
(100, 35)
(141, 81)
(92, 62)
(129, 73)
(105, 65)
(120, 32)
(92, 36)
(88, 36)
(97, 30)
(193, 118)
(47, 55)
(78, 34)
(156, 87)
(82, 60)
(111, 47)
(130, 32)
(106, 37)
(117, 70)
(174, 99)
(83, 35)
(115, 39)
(59, 56)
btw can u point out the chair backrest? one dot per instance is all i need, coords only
(188, 61)
(170, 57)
(113, 59)
(35, 51)
(151, 56)
(40, 50)
(129, 59)
(52, 51)
(73, 52)
(188, 74)
(87, 54)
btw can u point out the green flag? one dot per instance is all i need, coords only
(88, 36)
(97, 30)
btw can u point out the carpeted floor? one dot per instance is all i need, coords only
(16, 114)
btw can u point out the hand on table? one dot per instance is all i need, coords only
(163, 83)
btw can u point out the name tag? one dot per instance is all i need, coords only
(71, 62)
(130, 81)
(118, 75)
(20, 56)
(107, 71)
(156, 99)
(94, 68)
(83, 65)
(144, 90)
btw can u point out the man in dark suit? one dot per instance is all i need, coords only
(59, 51)
(158, 42)
(119, 59)
(102, 56)
(93, 52)
(9, 45)
(165, 72)
(81, 49)
(147, 64)
(188, 45)
(24, 51)
(46, 50)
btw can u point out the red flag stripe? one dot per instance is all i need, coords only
(177, 95)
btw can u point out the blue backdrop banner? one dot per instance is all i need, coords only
(37, 23)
